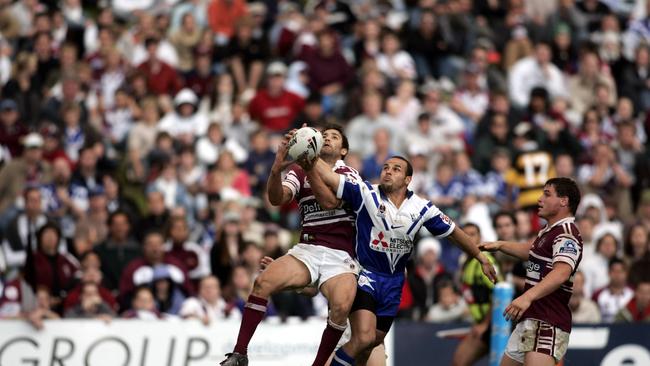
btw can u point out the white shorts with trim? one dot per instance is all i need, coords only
(324, 263)
(532, 335)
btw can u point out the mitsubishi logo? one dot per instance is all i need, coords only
(380, 239)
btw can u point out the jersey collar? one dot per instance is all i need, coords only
(565, 220)
(383, 196)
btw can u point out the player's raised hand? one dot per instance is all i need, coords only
(517, 308)
(492, 246)
(305, 163)
(280, 162)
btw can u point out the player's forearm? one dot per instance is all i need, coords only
(461, 239)
(274, 188)
(328, 177)
(519, 250)
(324, 195)
(553, 280)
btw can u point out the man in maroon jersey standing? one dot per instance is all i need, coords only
(324, 256)
(542, 335)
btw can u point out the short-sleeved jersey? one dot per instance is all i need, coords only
(330, 228)
(385, 233)
(560, 242)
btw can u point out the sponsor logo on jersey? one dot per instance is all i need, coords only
(532, 267)
(445, 219)
(391, 245)
(381, 211)
(310, 208)
(569, 247)
(365, 281)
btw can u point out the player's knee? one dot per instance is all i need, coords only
(365, 339)
(339, 312)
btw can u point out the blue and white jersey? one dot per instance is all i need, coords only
(385, 232)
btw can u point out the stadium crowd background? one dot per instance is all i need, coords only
(137, 138)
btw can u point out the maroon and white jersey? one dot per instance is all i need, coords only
(330, 228)
(560, 242)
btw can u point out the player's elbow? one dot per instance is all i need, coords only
(274, 200)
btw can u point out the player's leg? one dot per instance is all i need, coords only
(507, 361)
(339, 292)
(363, 356)
(286, 272)
(363, 323)
(338, 277)
(470, 350)
(550, 345)
(538, 359)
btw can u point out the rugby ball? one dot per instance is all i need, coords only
(306, 142)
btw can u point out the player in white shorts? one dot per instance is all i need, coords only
(324, 256)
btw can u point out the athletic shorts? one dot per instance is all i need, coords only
(324, 263)
(380, 294)
(532, 335)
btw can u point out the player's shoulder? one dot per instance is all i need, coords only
(342, 168)
(420, 203)
(567, 230)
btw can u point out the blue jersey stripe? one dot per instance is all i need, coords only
(422, 212)
(374, 198)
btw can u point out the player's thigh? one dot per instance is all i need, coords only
(285, 272)
(538, 359)
(340, 290)
(507, 361)
(469, 350)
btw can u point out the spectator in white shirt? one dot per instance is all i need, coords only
(208, 306)
(535, 71)
(583, 310)
(617, 294)
(361, 128)
(394, 62)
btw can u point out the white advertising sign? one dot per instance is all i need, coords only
(153, 343)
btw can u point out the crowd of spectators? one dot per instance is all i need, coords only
(136, 138)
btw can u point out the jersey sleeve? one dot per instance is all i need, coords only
(438, 224)
(351, 190)
(292, 181)
(566, 249)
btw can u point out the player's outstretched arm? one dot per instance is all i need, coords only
(319, 167)
(519, 250)
(461, 239)
(559, 274)
(279, 194)
(324, 195)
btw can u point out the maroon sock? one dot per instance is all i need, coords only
(254, 311)
(331, 336)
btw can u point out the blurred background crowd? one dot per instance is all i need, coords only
(136, 138)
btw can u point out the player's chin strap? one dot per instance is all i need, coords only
(336, 326)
